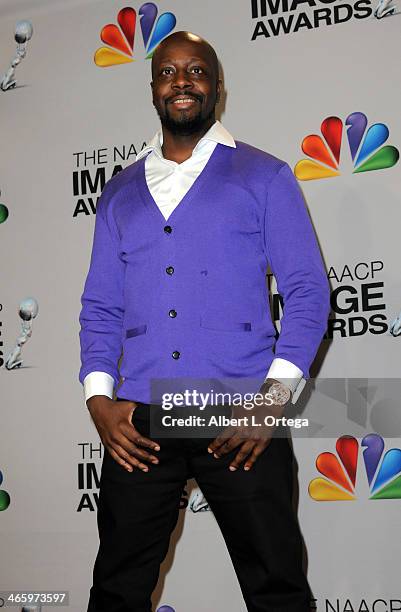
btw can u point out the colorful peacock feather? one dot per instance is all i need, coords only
(4, 496)
(366, 148)
(120, 39)
(383, 471)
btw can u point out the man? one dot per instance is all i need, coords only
(182, 241)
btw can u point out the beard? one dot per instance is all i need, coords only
(184, 126)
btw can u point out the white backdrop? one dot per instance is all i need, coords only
(67, 115)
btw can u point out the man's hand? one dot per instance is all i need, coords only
(251, 437)
(124, 443)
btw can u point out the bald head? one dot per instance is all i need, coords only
(183, 38)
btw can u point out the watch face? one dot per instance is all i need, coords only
(280, 393)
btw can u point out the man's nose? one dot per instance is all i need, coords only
(181, 79)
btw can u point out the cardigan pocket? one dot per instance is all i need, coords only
(136, 331)
(225, 326)
(235, 348)
(139, 347)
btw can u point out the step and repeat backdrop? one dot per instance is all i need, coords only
(314, 82)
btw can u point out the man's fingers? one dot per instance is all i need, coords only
(229, 445)
(119, 459)
(141, 440)
(125, 460)
(244, 451)
(134, 450)
(221, 439)
(137, 438)
(258, 450)
(132, 433)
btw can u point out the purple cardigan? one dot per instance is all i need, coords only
(188, 297)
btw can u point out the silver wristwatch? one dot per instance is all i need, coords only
(279, 393)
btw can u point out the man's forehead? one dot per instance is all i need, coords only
(189, 58)
(195, 51)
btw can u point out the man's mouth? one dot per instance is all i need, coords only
(183, 101)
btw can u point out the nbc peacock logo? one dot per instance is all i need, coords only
(3, 211)
(120, 39)
(383, 470)
(4, 496)
(365, 146)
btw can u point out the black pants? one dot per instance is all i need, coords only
(137, 512)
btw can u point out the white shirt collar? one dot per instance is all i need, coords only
(216, 133)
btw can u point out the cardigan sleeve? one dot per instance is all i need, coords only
(101, 316)
(293, 253)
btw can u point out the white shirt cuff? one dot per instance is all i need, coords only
(289, 374)
(98, 383)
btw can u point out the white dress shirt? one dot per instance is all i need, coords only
(168, 182)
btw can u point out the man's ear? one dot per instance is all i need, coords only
(219, 85)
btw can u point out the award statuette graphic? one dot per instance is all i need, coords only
(23, 33)
(28, 310)
(198, 502)
(395, 326)
(385, 8)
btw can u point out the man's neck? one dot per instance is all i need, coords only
(179, 147)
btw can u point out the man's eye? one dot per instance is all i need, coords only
(165, 70)
(197, 69)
